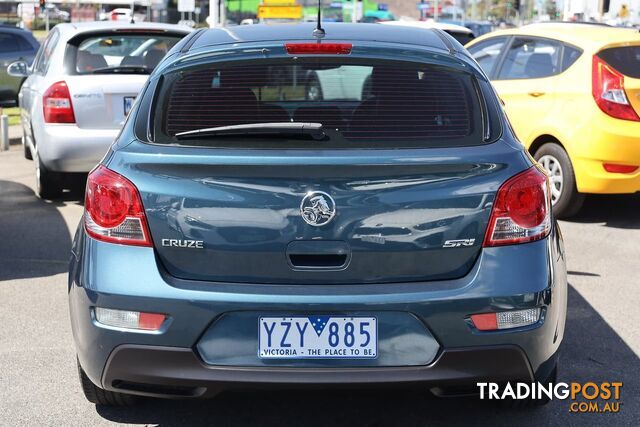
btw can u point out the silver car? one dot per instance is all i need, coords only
(77, 94)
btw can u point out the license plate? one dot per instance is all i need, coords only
(128, 103)
(318, 337)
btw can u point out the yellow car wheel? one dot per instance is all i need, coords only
(565, 198)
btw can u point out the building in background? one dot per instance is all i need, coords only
(614, 12)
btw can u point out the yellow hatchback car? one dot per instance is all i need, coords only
(572, 94)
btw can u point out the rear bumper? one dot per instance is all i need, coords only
(178, 372)
(606, 140)
(593, 178)
(129, 278)
(68, 148)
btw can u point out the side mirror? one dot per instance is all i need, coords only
(18, 69)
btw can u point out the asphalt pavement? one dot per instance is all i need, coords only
(38, 380)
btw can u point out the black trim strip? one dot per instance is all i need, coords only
(151, 112)
(192, 40)
(443, 36)
(484, 110)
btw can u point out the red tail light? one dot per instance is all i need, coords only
(608, 91)
(56, 104)
(318, 48)
(522, 210)
(113, 209)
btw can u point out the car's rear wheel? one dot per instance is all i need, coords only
(48, 185)
(27, 152)
(99, 396)
(565, 198)
(25, 147)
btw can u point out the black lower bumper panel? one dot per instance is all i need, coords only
(178, 372)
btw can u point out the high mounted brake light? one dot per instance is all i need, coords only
(318, 48)
(521, 211)
(140, 30)
(608, 91)
(56, 104)
(113, 209)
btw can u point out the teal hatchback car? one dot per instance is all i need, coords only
(242, 233)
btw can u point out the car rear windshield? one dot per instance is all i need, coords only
(357, 103)
(120, 53)
(624, 59)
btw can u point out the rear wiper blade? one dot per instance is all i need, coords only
(286, 129)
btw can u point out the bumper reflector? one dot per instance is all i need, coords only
(616, 168)
(129, 319)
(505, 319)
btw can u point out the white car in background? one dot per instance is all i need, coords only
(122, 14)
(77, 94)
(458, 32)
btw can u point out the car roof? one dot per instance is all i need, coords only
(13, 29)
(81, 27)
(579, 34)
(335, 31)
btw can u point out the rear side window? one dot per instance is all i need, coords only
(46, 50)
(487, 53)
(569, 56)
(624, 59)
(358, 104)
(24, 44)
(531, 59)
(119, 53)
(13, 43)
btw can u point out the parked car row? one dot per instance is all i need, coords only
(547, 75)
(281, 207)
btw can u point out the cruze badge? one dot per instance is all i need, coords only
(317, 208)
(176, 243)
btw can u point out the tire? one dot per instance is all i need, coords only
(565, 198)
(313, 89)
(99, 396)
(27, 150)
(25, 147)
(48, 185)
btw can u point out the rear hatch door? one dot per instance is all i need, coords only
(399, 189)
(106, 70)
(102, 101)
(393, 218)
